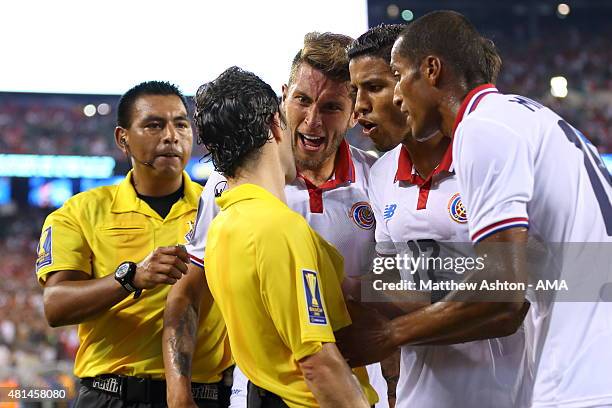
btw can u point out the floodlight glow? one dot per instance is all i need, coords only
(104, 109)
(563, 9)
(89, 110)
(558, 87)
(392, 10)
(407, 15)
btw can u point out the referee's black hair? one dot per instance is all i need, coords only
(454, 39)
(126, 103)
(233, 116)
(376, 42)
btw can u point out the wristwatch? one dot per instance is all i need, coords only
(124, 274)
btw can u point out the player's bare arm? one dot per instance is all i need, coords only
(460, 317)
(325, 373)
(72, 297)
(179, 339)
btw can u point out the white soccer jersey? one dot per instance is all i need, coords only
(520, 164)
(338, 210)
(410, 209)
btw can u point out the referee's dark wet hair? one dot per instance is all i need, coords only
(451, 37)
(126, 103)
(376, 42)
(233, 117)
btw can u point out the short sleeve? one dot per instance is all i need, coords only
(207, 210)
(62, 245)
(494, 167)
(292, 288)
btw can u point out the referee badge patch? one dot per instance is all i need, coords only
(191, 232)
(43, 250)
(314, 303)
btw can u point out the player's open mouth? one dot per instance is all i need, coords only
(310, 142)
(368, 127)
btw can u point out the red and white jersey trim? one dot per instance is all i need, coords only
(500, 226)
(196, 261)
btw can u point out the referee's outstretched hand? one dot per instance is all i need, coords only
(165, 265)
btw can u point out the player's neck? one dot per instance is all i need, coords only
(427, 155)
(449, 107)
(154, 185)
(320, 174)
(266, 172)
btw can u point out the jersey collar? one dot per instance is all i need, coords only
(471, 101)
(245, 192)
(407, 173)
(344, 171)
(126, 200)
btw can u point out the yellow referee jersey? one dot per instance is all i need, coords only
(277, 283)
(94, 232)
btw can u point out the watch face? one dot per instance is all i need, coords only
(122, 270)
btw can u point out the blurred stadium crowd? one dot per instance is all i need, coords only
(31, 353)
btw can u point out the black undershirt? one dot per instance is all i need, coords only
(162, 205)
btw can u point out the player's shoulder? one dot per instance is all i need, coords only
(361, 157)
(508, 113)
(387, 164)
(275, 222)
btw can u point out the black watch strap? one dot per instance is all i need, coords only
(124, 274)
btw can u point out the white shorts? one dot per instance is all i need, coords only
(239, 388)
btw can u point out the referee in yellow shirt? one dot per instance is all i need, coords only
(107, 257)
(275, 280)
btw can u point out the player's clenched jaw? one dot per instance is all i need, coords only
(373, 84)
(319, 113)
(416, 94)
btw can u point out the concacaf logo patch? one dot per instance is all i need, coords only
(456, 209)
(191, 232)
(362, 215)
(314, 303)
(43, 250)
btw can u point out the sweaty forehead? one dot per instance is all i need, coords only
(314, 84)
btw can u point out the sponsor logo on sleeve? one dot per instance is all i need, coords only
(314, 303)
(43, 250)
(361, 213)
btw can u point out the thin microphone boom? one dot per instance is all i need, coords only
(145, 163)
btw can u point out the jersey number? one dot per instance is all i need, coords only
(591, 157)
(424, 248)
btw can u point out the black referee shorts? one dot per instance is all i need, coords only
(92, 398)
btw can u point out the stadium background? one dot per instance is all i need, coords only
(557, 53)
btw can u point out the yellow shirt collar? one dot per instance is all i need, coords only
(126, 200)
(245, 192)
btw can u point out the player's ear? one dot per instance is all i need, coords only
(431, 69)
(285, 91)
(120, 138)
(277, 128)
